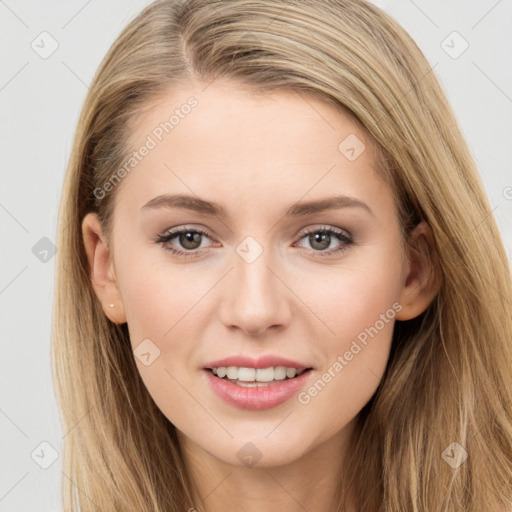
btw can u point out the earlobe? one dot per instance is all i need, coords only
(101, 269)
(423, 279)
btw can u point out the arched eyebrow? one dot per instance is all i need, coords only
(202, 206)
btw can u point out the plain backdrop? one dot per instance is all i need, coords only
(49, 53)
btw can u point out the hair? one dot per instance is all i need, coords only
(448, 377)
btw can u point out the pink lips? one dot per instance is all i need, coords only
(256, 398)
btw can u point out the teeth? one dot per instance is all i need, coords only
(232, 372)
(245, 374)
(264, 374)
(256, 374)
(279, 372)
(291, 372)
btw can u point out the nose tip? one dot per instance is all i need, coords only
(257, 329)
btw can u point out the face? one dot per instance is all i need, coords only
(262, 277)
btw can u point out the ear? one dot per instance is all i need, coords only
(422, 277)
(101, 269)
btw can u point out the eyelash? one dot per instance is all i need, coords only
(166, 237)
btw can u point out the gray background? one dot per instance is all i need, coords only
(40, 99)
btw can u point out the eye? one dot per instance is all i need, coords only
(189, 239)
(320, 239)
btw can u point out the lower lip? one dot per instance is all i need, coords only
(257, 398)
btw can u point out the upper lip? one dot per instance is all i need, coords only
(265, 361)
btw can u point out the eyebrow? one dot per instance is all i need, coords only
(198, 205)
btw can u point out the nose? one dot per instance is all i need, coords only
(255, 297)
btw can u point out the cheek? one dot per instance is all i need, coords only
(351, 297)
(354, 358)
(357, 305)
(160, 304)
(157, 295)
(164, 303)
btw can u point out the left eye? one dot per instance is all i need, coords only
(190, 240)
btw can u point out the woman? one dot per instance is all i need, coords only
(279, 282)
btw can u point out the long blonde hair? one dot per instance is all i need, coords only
(449, 376)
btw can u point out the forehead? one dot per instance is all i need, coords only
(220, 138)
(229, 114)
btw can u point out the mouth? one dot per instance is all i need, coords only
(251, 388)
(257, 377)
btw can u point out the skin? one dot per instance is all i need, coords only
(257, 155)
